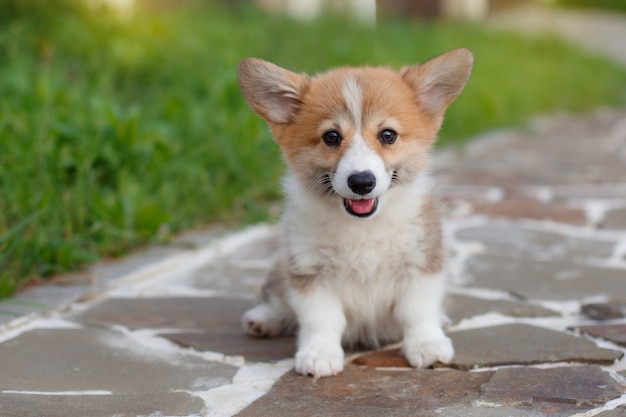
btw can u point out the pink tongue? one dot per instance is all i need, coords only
(362, 206)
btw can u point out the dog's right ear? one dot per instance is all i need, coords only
(273, 92)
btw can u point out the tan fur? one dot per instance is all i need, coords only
(302, 283)
(433, 251)
(300, 140)
(275, 283)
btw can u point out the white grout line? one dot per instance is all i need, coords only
(611, 405)
(183, 264)
(23, 326)
(249, 383)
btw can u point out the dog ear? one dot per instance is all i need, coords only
(273, 92)
(439, 81)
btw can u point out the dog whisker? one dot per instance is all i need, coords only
(321, 184)
(395, 178)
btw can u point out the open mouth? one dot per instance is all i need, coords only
(361, 208)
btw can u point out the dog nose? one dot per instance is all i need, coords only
(362, 182)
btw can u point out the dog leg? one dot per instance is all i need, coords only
(420, 313)
(270, 319)
(322, 322)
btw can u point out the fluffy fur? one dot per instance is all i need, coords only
(362, 252)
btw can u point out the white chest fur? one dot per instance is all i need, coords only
(367, 264)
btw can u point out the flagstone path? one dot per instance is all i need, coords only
(536, 226)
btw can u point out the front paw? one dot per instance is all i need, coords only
(319, 362)
(424, 354)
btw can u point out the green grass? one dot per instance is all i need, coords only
(116, 134)
(618, 5)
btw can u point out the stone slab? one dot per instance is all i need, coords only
(126, 405)
(450, 191)
(564, 170)
(109, 270)
(546, 244)
(551, 280)
(615, 219)
(18, 307)
(511, 392)
(589, 191)
(7, 317)
(57, 360)
(259, 250)
(610, 310)
(187, 313)
(206, 324)
(615, 333)
(233, 342)
(522, 344)
(366, 392)
(39, 299)
(240, 273)
(532, 209)
(226, 278)
(459, 307)
(554, 391)
(576, 151)
(512, 344)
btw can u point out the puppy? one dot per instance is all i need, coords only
(362, 252)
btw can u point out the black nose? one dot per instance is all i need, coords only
(362, 182)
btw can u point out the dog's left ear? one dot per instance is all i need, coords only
(273, 92)
(439, 81)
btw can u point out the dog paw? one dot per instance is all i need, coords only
(424, 354)
(319, 363)
(261, 321)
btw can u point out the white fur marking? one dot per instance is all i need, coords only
(353, 95)
(419, 310)
(360, 157)
(322, 322)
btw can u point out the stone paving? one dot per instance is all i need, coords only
(536, 226)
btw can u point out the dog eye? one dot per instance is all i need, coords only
(387, 136)
(332, 138)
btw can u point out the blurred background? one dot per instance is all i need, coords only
(122, 124)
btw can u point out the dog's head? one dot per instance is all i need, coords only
(351, 133)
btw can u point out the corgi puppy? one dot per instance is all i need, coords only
(362, 254)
